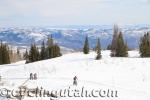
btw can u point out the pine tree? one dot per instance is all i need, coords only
(43, 52)
(11, 54)
(7, 58)
(37, 54)
(86, 46)
(55, 51)
(4, 54)
(121, 47)
(144, 47)
(18, 55)
(50, 50)
(118, 47)
(26, 56)
(114, 40)
(34, 54)
(50, 43)
(31, 54)
(98, 50)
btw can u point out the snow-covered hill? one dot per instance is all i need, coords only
(130, 77)
(66, 36)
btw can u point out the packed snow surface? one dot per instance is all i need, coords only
(130, 76)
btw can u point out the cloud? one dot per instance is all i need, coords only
(49, 12)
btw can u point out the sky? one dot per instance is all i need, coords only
(73, 12)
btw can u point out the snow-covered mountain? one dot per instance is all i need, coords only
(72, 37)
(130, 77)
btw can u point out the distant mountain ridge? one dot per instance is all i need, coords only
(71, 37)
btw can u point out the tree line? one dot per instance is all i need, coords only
(47, 50)
(118, 46)
(8, 55)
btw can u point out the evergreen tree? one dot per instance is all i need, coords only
(121, 48)
(6, 58)
(31, 54)
(55, 51)
(98, 50)
(86, 46)
(26, 56)
(18, 55)
(50, 50)
(118, 47)
(144, 47)
(43, 52)
(50, 43)
(34, 54)
(4, 54)
(11, 54)
(37, 54)
(114, 40)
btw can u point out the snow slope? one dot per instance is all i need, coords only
(129, 76)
